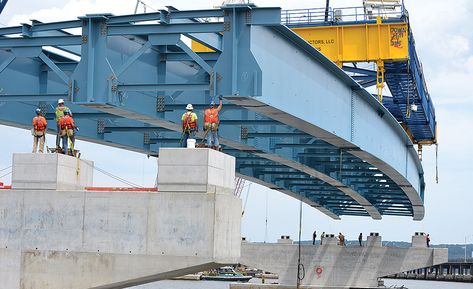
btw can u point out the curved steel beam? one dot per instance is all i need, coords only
(332, 107)
(310, 93)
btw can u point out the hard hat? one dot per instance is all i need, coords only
(38, 111)
(189, 107)
(212, 103)
(60, 101)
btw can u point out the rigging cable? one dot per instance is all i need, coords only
(5, 174)
(117, 178)
(5, 169)
(300, 266)
(437, 163)
(266, 220)
(246, 200)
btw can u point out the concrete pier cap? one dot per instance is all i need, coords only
(374, 240)
(50, 172)
(55, 234)
(285, 240)
(419, 240)
(330, 239)
(195, 170)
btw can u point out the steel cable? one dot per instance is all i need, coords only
(5, 174)
(5, 168)
(117, 178)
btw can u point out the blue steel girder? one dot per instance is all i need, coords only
(2, 5)
(407, 85)
(353, 108)
(130, 94)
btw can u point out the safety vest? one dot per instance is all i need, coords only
(66, 122)
(189, 119)
(39, 123)
(211, 115)
(60, 112)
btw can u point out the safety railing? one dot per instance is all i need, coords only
(299, 17)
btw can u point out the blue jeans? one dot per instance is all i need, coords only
(187, 134)
(65, 144)
(212, 137)
(58, 137)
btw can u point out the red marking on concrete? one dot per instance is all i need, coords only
(120, 189)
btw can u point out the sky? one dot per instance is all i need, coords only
(444, 42)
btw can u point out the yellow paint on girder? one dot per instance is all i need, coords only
(197, 47)
(360, 42)
(353, 43)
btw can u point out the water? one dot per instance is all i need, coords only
(411, 284)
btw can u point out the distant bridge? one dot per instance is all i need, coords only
(293, 119)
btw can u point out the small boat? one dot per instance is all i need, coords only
(226, 274)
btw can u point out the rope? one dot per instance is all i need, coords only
(5, 169)
(266, 219)
(205, 136)
(408, 109)
(117, 178)
(437, 163)
(5, 174)
(246, 200)
(300, 266)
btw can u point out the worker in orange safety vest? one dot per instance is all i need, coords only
(190, 125)
(211, 124)
(39, 131)
(67, 126)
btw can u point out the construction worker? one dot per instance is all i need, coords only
(39, 131)
(67, 126)
(60, 108)
(211, 124)
(189, 124)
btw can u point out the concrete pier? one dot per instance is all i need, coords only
(55, 234)
(334, 266)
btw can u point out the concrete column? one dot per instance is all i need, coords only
(70, 238)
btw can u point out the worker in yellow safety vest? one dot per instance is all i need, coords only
(60, 109)
(211, 123)
(189, 125)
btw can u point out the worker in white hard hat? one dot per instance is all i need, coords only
(59, 114)
(189, 124)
